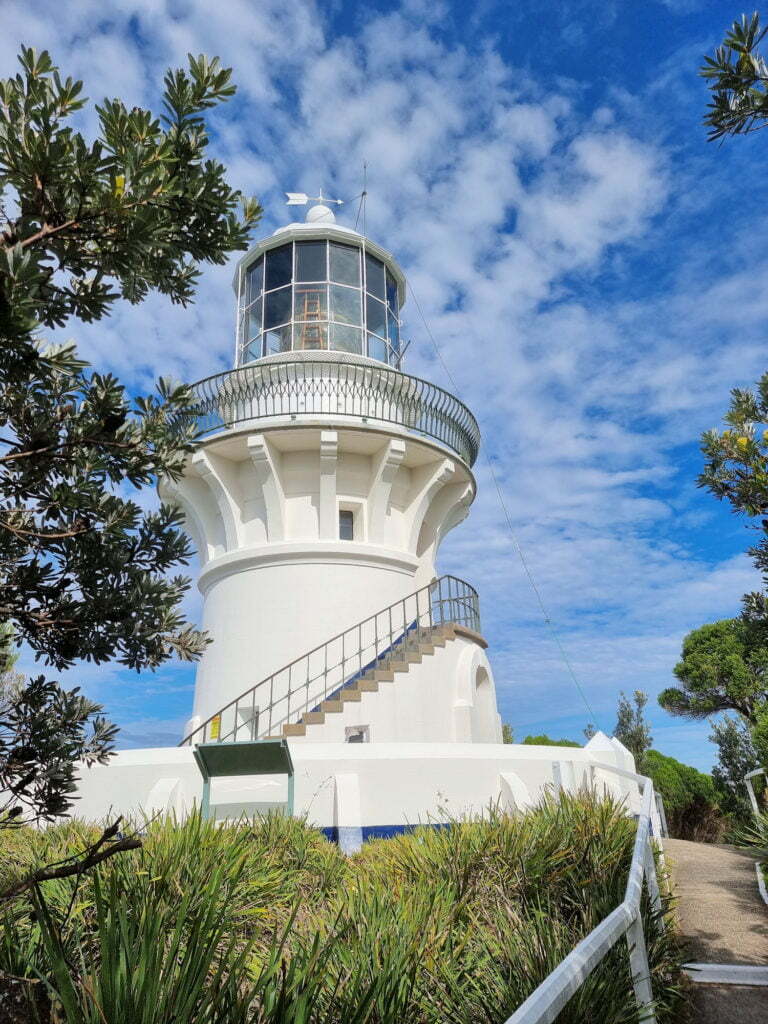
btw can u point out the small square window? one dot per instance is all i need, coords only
(357, 734)
(346, 524)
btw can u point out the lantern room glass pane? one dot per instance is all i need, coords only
(279, 266)
(345, 304)
(391, 292)
(374, 277)
(377, 349)
(254, 320)
(254, 280)
(252, 351)
(311, 261)
(393, 330)
(310, 302)
(346, 339)
(310, 336)
(277, 307)
(376, 316)
(277, 341)
(345, 264)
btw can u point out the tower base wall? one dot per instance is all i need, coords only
(356, 791)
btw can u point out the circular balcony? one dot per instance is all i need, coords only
(329, 385)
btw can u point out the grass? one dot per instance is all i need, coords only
(265, 921)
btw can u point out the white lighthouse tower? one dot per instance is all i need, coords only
(319, 491)
(317, 498)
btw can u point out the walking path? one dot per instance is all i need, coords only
(724, 921)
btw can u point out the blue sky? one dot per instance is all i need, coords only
(592, 268)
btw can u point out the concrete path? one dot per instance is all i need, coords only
(723, 920)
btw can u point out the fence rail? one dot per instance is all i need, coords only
(546, 1002)
(318, 675)
(326, 387)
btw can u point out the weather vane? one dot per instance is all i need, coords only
(301, 199)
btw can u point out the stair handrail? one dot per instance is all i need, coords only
(446, 600)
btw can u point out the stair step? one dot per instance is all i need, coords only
(350, 693)
(383, 675)
(295, 729)
(367, 685)
(313, 718)
(399, 666)
(331, 706)
(426, 649)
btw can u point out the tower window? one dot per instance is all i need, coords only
(346, 524)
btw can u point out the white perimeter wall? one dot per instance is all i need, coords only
(351, 786)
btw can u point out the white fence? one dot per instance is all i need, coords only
(543, 1005)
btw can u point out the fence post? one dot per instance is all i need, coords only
(649, 864)
(641, 974)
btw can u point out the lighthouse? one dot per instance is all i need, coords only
(318, 495)
(348, 680)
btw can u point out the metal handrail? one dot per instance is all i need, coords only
(546, 1002)
(335, 388)
(374, 642)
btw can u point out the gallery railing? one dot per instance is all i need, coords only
(328, 387)
(301, 686)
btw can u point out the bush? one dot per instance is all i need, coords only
(265, 922)
(690, 799)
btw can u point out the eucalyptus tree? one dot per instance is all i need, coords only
(85, 573)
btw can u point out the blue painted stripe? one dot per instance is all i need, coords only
(343, 836)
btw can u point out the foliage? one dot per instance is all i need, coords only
(546, 741)
(265, 921)
(737, 76)
(84, 224)
(507, 733)
(81, 226)
(736, 757)
(632, 728)
(736, 469)
(690, 799)
(44, 730)
(723, 668)
(753, 834)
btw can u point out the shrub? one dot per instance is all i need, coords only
(265, 922)
(690, 799)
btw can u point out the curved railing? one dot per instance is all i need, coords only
(336, 388)
(302, 685)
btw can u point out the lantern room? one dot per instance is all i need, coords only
(317, 286)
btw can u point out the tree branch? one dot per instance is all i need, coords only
(90, 858)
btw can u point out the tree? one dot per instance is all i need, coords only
(44, 731)
(690, 798)
(85, 572)
(632, 728)
(724, 667)
(736, 757)
(736, 470)
(738, 76)
(507, 733)
(546, 741)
